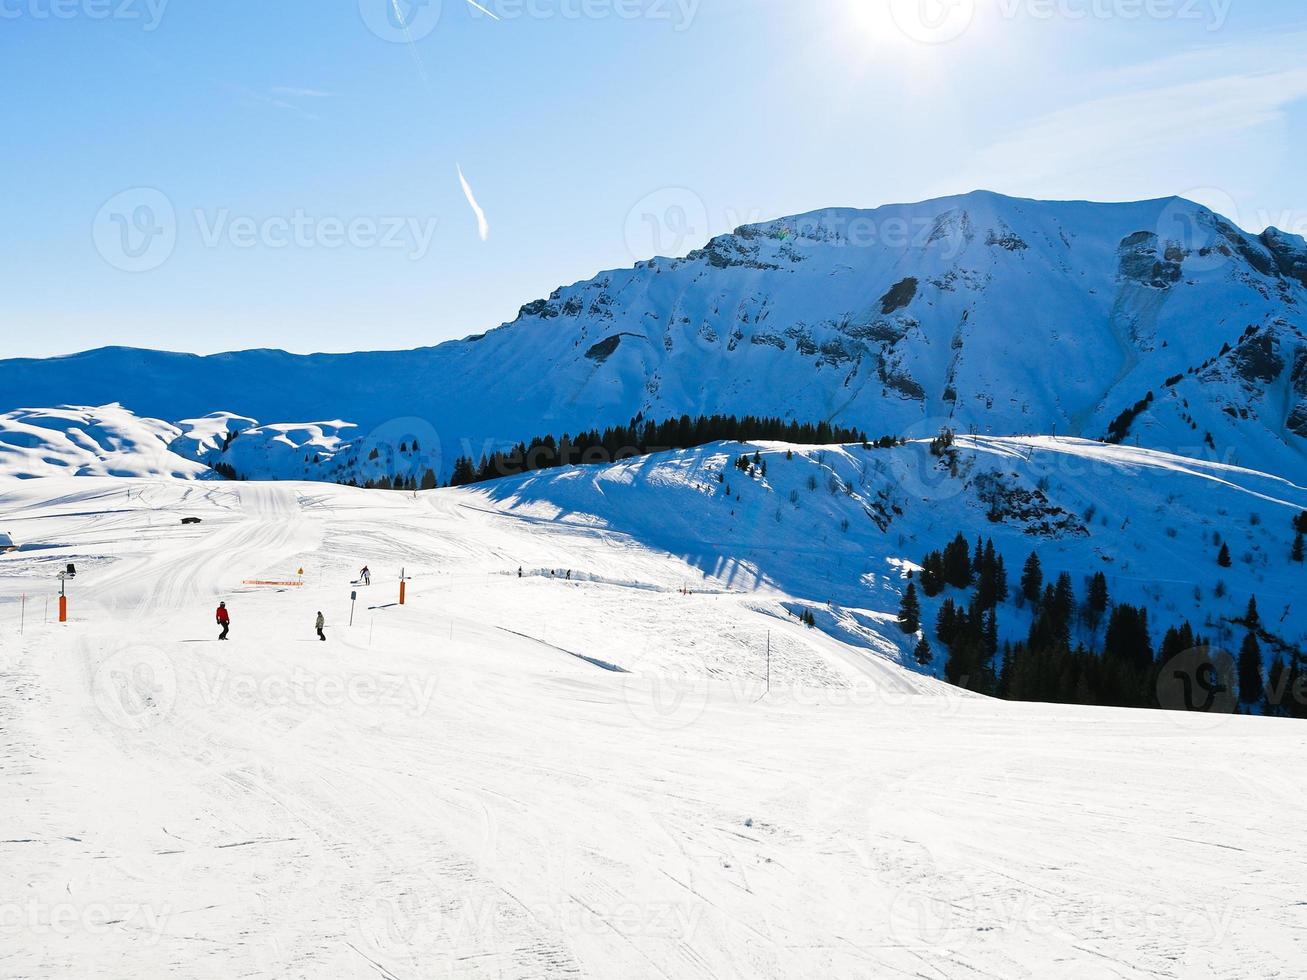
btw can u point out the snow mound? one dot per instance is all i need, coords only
(104, 441)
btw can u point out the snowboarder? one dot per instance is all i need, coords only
(320, 624)
(224, 620)
(365, 576)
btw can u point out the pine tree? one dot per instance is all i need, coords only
(932, 574)
(1032, 579)
(429, 480)
(946, 622)
(1250, 670)
(1275, 691)
(1252, 619)
(910, 611)
(1296, 553)
(1064, 605)
(923, 652)
(957, 563)
(1098, 600)
(1223, 557)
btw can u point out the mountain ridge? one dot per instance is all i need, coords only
(1158, 321)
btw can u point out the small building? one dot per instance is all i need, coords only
(7, 543)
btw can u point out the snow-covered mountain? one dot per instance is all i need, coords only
(104, 441)
(1158, 322)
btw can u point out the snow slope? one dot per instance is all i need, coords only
(104, 441)
(1011, 315)
(448, 789)
(838, 527)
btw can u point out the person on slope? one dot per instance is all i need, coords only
(365, 576)
(224, 620)
(320, 624)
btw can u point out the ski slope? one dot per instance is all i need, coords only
(539, 776)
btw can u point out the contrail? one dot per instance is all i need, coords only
(412, 48)
(483, 226)
(491, 13)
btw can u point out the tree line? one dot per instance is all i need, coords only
(1124, 670)
(641, 437)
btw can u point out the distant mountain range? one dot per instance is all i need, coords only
(1158, 322)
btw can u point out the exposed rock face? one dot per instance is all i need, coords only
(1143, 260)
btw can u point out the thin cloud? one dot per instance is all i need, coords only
(300, 93)
(1182, 108)
(276, 98)
(483, 226)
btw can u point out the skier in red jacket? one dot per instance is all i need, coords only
(224, 620)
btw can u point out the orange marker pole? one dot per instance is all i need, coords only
(63, 609)
(401, 591)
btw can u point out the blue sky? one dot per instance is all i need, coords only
(284, 173)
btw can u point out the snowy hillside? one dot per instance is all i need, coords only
(104, 441)
(838, 528)
(109, 440)
(1009, 315)
(589, 776)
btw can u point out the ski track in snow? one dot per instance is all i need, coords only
(430, 795)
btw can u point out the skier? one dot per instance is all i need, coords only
(519, 571)
(365, 576)
(224, 620)
(320, 624)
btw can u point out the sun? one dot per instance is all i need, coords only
(912, 23)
